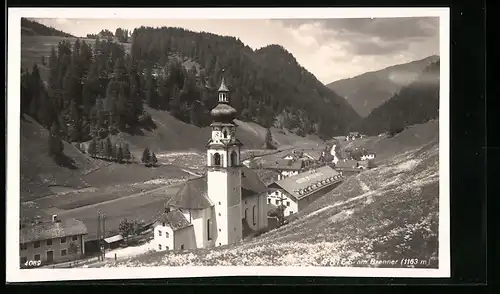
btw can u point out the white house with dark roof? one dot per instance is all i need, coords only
(227, 203)
(53, 241)
(298, 191)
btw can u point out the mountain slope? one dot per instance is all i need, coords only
(414, 104)
(370, 90)
(39, 171)
(387, 213)
(33, 28)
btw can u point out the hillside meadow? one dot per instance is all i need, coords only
(373, 219)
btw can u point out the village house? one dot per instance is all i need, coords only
(348, 167)
(223, 206)
(298, 191)
(284, 167)
(352, 136)
(52, 241)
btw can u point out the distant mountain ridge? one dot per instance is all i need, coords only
(415, 104)
(33, 28)
(370, 90)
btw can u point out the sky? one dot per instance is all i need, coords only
(331, 49)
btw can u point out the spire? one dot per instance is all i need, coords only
(223, 87)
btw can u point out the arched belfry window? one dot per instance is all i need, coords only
(225, 134)
(234, 158)
(217, 160)
(222, 97)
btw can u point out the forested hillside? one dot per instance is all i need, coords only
(32, 28)
(268, 86)
(99, 90)
(414, 104)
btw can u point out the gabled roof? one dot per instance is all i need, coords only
(304, 184)
(346, 164)
(51, 230)
(267, 176)
(192, 195)
(313, 154)
(283, 164)
(175, 219)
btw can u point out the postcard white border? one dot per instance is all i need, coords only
(14, 274)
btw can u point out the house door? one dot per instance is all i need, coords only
(50, 256)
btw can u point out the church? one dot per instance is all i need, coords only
(222, 207)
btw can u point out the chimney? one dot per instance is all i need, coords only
(54, 218)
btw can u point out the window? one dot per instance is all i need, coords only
(49, 242)
(217, 159)
(208, 230)
(36, 244)
(277, 202)
(159, 246)
(254, 212)
(166, 247)
(163, 223)
(24, 259)
(225, 134)
(64, 252)
(159, 233)
(74, 238)
(36, 257)
(288, 203)
(63, 240)
(24, 246)
(234, 158)
(182, 246)
(167, 235)
(219, 214)
(291, 212)
(268, 200)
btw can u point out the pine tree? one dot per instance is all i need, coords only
(119, 154)
(146, 157)
(269, 140)
(114, 152)
(153, 160)
(92, 148)
(126, 152)
(102, 148)
(56, 146)
(108, 148)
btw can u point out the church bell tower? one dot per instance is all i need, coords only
(224, 173)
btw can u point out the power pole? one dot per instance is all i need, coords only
(99, 233)
(104, 235)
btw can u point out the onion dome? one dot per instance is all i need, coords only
(223, 113)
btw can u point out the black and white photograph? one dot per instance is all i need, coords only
(194, 142)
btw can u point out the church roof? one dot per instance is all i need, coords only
(194, 193)
(251, 184)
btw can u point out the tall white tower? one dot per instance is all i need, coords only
(224, 173)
